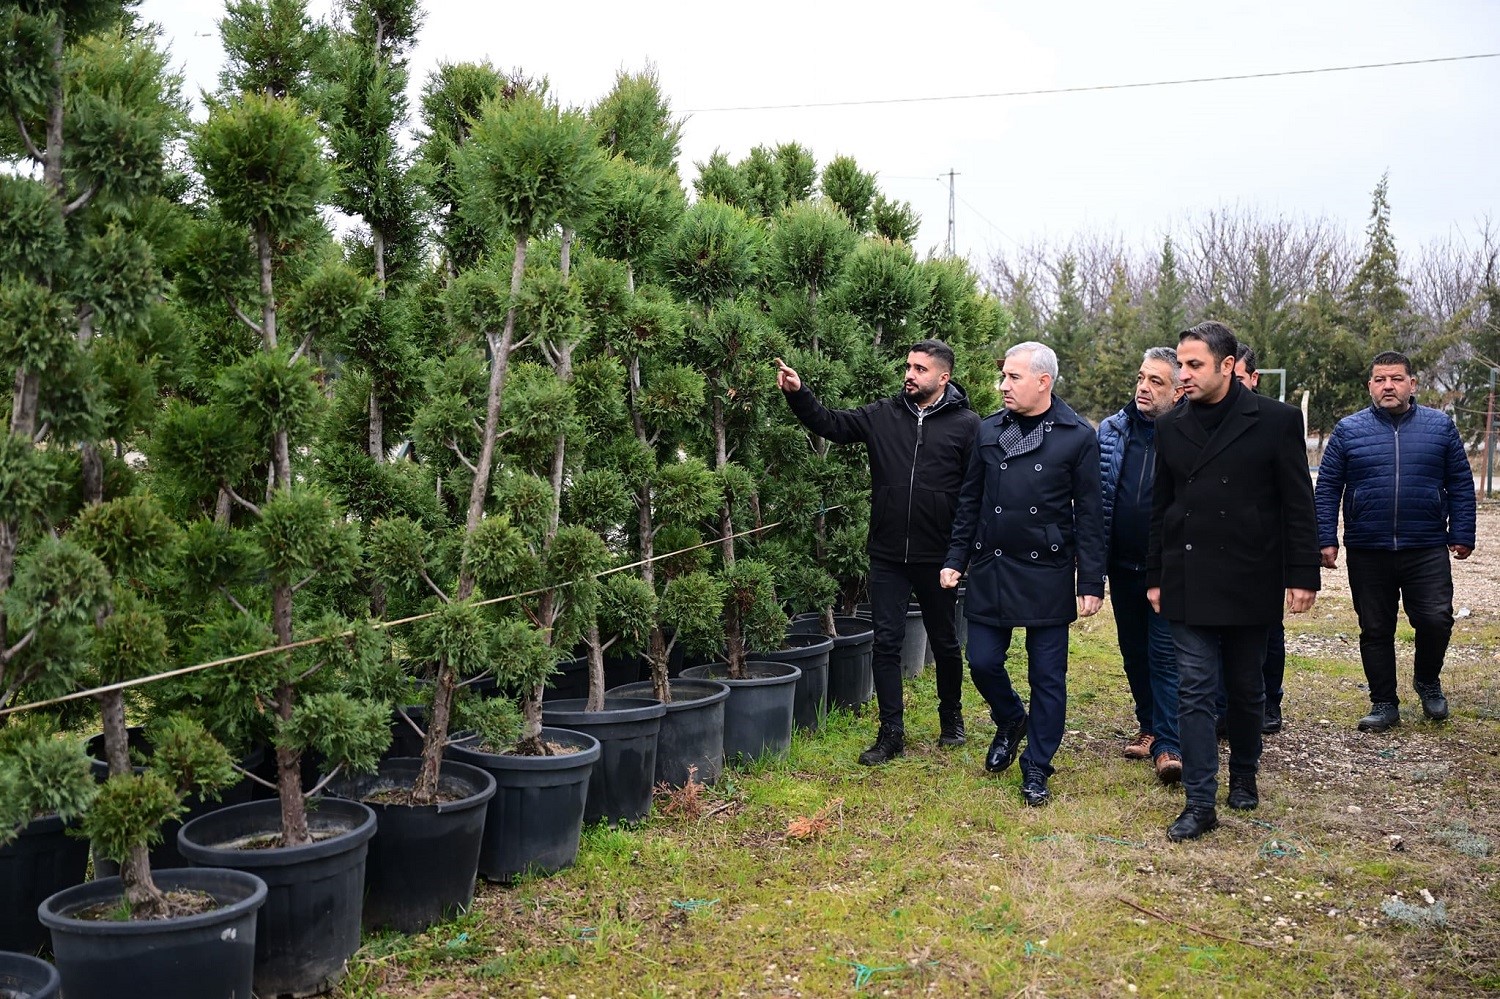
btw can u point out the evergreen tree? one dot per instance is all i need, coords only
(1376, 300)
(1069, 331)
(634, 120)
(1166, 307)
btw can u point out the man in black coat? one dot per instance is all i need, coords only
(918, 442)
(1030, 529)
(1233, 535)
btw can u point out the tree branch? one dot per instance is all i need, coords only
(31, 149)
(254, 326)
(301, 349)
(305, 580)
(233, 602)
(328, 778)
(452, 446)
(81, 200)
(20, 646)
(241, 500)
(435, 588)
(254, 777)
(42, 432)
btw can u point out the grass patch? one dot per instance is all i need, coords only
(929, 877)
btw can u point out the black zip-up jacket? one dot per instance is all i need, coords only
(917, 463)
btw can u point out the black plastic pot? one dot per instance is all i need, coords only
(422, 860)
(533, 823)
(309, 926)
(758, 714)
(41, 861)
(620, 790)
(25, 977)
(809, 653)
(691, 739)
(572, 677)
(914, 645)
(851, 681)
(164, 855)
(208, 954)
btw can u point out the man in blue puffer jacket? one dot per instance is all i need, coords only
(1408, 499)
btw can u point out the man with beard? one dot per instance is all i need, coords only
(1233, 534)
(918, 443)
(1127, 468)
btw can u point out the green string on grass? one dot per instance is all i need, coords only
(864, 972)
(693, 904)
(586, 933)
(1037, 950)
(1118, 842)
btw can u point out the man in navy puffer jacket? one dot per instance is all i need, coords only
(1408, 499)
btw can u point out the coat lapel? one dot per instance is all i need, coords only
(1239, 420)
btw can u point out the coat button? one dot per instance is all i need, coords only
(1191, 480)
(1225, 480)
(997, 509)
(1003, 465)
(1054, 548)
(1033, 509)
(978, 545)
(997, 551)
(1187, 548)
(1033, 554)
(1036, 468)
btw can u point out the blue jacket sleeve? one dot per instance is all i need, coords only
(1330, 490)
(966, 514)
(1460, 485)
(1088, 519)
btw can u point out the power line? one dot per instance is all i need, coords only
(1096, 87)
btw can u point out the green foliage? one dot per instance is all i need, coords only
(344, 729)
(750, 595)
(721, 180)
(300, 533)
(686, 491)
(808, 247)
(267, 394)
(399, 551)
(634, 210)
(692, 605)
(521, 656)
(130, 643)
(627, 610)
(32, 234)
(188, 758)
(270, 47)
(896, 221)
(883, 286)
(598, 499)
(713, 254)
(458, 635)
(57, 583)
(495, 721)
(130, 534)
(527, 166)
(41, 775)
(634, 121)
(799, 171)
(262, 161)
(333, 306)
(850, 189)
(128, 812)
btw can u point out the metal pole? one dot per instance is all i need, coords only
(1489, 439)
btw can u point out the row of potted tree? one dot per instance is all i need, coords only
(522, 412)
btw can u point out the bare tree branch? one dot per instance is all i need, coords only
(435, 588)
(31, 149)
(307, 579)
(81, 200)
(255, 327)
(301, 349)
(234, 602)
(328, 778)
(453, 446)
(20, 646)
(240, 499)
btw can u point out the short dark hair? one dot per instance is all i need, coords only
(1246, 353)
(934, 348)
(1392, 357)
(1218, 338)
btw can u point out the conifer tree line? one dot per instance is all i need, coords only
(329, 357)
(1308, 295)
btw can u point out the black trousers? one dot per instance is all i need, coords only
(1422, 579)
(892, 586)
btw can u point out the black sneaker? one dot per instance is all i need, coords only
(952, 731)
(1434, 704)
(889, 744)
(1383, 715)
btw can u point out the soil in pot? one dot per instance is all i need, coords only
(758, 714)
(533, 823)
(422, 860)
(691, 739)
(309, 926)
(627, 729)
(210, 953)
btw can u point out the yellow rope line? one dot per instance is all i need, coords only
(304, 643)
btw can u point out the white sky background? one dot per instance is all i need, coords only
(1133, 162)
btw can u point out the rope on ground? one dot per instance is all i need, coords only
(380, 625)
(1189, 926)
(864, 972)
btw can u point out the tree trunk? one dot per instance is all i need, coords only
(499, 362)
(660, 656)
(268, 301)
(424, 791)
(596, 669)
(377, 425)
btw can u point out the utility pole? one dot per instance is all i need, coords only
(952, 231)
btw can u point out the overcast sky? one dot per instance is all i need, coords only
(1134, 161)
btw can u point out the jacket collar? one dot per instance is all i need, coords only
(1244, 413)
(1059, 413)
(953, 397)
(1381, 414)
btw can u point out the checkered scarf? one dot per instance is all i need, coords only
(1016, 442)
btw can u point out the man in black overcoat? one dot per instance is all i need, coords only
(1233, 534)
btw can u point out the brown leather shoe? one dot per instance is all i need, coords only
(1139, 748)
(1168, 768)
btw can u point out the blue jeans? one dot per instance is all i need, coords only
(1046, 671)
(1203, 654)
(1149, 656)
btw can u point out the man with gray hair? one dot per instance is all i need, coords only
(1127, 469)
(1029, 529)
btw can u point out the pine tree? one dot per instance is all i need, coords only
(1166, 307)
(1376, 299)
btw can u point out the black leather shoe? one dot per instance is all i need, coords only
(1383, 715)
(1034, 789)
(951, 732)
(1242, 792)
(1194, 821)
(889, 744)
(1272, 723)
(1434, 704)
(1005, 747)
